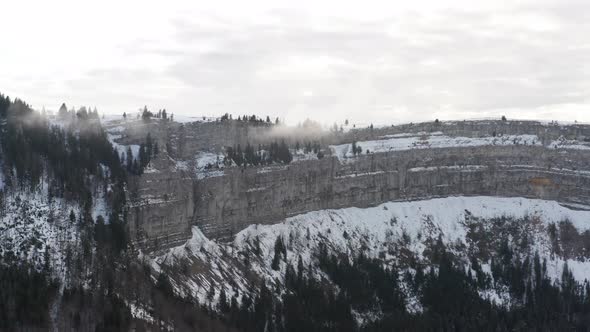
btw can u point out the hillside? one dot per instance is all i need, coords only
(145, 223)
(494, 243)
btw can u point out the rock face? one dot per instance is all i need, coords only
(161, 209)
(168, 200)
(229, 203)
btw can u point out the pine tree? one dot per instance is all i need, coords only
(280, 252)
(149, 146)
(211, 292)
(223, 305)
(129, 159)
(63, 111)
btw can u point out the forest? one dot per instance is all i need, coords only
(447, 291)
(67, 160)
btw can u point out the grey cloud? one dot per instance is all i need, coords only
(459, 59)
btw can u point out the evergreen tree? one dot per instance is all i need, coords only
(63, 111)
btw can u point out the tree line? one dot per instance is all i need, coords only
(250, 118)
(147, 150)
(274, 152)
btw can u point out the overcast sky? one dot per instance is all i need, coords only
(367, 61)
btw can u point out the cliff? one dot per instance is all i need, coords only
(475, 158)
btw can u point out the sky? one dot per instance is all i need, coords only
(367, 61)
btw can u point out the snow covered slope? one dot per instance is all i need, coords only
(34, 229)
(397, 233)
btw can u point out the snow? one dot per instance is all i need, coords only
(100, 207)
(30, 225)
(256, 189)
(142, 313)
(444, 214)
(150, 170)
(183, 118)
(300, 155)
(122, 149)
(222, 272)
(207, 159)
(435, 140)
(417, 134)
(354, 175)
(272, 168)
(563, 143)
(580, 270)
(181, 165)
(204, 165)
(378, 231)
(209, 164)
(500, 297)
(116, 129)
(464, 168)
(402, 142)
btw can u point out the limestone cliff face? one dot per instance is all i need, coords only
(161, 209)
(227, 204)
(167, 201)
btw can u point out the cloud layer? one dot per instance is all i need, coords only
(374, 62)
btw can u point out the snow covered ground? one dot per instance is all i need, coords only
(36, 228)
(409, 141)
(204, 165)
(563, 143)
(380, 232)
(209, 164)
(184, 118)
(376, 226)
(300, 155)
(122, 149)
(31, 225)
(402, 142)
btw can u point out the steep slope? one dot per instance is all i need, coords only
(478, 232)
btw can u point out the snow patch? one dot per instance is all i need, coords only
(122, 149)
